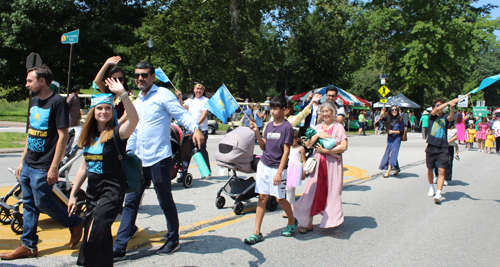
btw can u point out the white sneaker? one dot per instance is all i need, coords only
(437, 199)
(445, 183)
(431, 192)
(435, 180)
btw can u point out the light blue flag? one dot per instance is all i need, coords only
(485, 83)
(160, 75)
(94, 86)
(222, 104)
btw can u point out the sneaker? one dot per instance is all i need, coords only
(445, 183)
(207, 177)
(437, 199)
(431, 192)
(169, 247)
(119, 255)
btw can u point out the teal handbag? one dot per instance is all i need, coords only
(132, 169)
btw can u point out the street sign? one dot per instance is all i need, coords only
(383, 100)
(33, 60)
(463, 103)
(383, 91)
(480, 111)
(70, 37)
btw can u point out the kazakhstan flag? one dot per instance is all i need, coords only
(39, 118)
(222, 104)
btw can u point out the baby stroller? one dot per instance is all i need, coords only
(235, 152)
(179, 140)
(11, 214)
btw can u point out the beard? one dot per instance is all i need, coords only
(34, 93)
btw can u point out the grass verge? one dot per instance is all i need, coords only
(12, 140)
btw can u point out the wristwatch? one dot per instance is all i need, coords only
(123, 95)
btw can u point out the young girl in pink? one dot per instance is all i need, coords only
(296, 162)
(482, 128)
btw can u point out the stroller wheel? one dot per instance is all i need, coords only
(188, 180)
(271, 204)
(238, 208)
(220, 202)
(5, 216)
(16, 225)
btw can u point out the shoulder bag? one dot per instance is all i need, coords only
(132, 169)
(310, 164)
(404, 138)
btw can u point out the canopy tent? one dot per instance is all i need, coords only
(344, 97)
(400, 101)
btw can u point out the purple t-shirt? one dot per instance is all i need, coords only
(276, 138)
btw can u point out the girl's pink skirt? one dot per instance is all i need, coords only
(294, 176)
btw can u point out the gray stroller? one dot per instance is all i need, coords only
(235, 152)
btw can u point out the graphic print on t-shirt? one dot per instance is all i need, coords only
(438, 128)
(93, 156)
(39, 123)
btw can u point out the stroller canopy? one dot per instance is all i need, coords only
(237, 146)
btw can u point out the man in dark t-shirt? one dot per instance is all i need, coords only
(436, 153)
(38, 168)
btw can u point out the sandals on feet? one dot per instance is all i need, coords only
(386, 176)
(397, 172)
(253, 239)
(304, 230)
(290, 229)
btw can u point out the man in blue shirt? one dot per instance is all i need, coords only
(151, 141)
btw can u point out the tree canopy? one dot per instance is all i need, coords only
(262, 48)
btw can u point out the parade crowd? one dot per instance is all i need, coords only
(116, 124)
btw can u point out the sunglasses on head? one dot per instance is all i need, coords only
(143, 75)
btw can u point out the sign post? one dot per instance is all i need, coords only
(70, 38)
(463, 101)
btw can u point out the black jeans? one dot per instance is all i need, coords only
(497, 140)
(159, 173)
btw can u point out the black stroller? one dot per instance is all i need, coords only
(11, 214)
(179, 139)
(235, 152)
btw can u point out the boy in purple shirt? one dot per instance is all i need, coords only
(271, 170)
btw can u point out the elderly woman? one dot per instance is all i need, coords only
(395, 128)
(322, 194)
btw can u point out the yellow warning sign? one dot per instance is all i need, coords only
(383, 91)
(383, 100)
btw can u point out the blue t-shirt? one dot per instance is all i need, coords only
(276, 138)
(248, 114)
(257, 119)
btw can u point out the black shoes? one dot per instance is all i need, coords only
(119, 255)
(169, 247)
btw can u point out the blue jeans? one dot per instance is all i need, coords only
(159, 173)
(37, 196)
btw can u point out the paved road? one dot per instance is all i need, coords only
(388, 222)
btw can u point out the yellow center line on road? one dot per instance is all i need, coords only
(54, 238)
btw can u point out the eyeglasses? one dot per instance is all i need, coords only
(437, 105)
(143, 75)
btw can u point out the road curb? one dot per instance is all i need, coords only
(11, 150)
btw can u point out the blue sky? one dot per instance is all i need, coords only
(495, 13)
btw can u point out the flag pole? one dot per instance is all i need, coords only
(172, 84)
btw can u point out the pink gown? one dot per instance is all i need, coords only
(481, 131)
(461, 131)
(332, 213)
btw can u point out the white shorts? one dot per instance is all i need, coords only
(264, 183)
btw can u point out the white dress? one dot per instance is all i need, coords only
(294, 176)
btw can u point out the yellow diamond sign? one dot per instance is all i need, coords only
(383, 91)
(383, 100)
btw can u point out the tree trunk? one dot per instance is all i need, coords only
(420, 95)
(241, 78)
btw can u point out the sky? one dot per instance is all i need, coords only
(495, 13)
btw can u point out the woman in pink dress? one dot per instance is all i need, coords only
(460, 128)
(322, 194)
(482, 129)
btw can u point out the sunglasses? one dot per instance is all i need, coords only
(394, 110)
(143, 75)
(121, 79)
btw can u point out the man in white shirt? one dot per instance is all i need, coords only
(196, 107)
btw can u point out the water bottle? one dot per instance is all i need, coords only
(200, 161)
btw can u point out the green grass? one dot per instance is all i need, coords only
(12, 140)
(223, 127)
(14, 111)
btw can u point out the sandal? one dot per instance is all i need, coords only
(457, 157)
(304, 230)
(397, 172)
(253, 239)
(290, 229)
(284, 215)
(386, 176)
